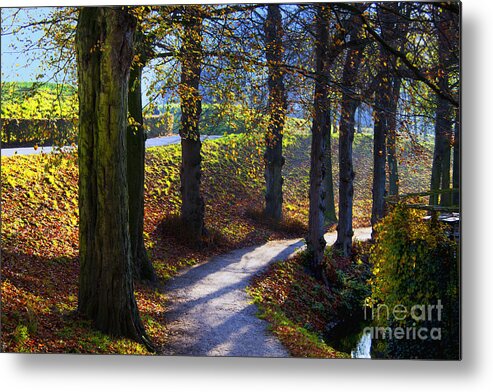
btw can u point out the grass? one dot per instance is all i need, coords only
(40, 232)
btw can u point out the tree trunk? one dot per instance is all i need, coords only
(315, 240)
(441, 149)
(192, 208)
(386, 97)
(446, 197)
(104, 54)
(382, 103)
(330, 215)
(142, 266)
(456, 167)
(440, 171)
(346, 172)
(318, 158)
(274, 51)
(392, 139)
(324, 60)
(358, 126)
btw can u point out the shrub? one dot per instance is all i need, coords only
(415, 269)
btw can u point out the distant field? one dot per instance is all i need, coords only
(28, 100)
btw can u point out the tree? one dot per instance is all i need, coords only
(397, 31)
(456, 167)
(192, 208)
(440, 172)
(346, 36)
(104, 54)
(315, 240)
(382, 103)
(349, 104)
(392, 138)
(386, 97)
(277, 113)
(142, 266)
(330, 215)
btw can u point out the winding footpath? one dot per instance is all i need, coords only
(210, 313)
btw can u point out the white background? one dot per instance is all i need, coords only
(474, 373)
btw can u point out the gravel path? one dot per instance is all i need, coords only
(210, 314)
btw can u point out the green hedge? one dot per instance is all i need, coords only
(22, 132)
(30, 132)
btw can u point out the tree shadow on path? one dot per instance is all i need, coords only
(210, 312)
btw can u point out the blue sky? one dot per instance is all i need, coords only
(15, 65)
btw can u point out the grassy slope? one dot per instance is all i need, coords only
(40, 233)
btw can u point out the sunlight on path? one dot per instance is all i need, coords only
(210, 313)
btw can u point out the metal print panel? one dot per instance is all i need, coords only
(250, 180)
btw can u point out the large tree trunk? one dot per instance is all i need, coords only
(142, 266)
(324, 60)
(321, 125)
(192, 208)
(104, 55)
(315, 240)
(346, 172)
(392, 139)
(274, 160)
(440, 171)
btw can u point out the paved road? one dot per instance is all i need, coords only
(210, 314)
(154, 142)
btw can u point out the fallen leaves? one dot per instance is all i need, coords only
(40, 263)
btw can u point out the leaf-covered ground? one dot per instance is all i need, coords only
(299, 308)
(40, 232)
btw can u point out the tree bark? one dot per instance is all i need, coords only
(274, 161)
(440, 171)
(330, 215)
(456, 167)
(387, 95)
(142, 266)
(446, 197)
(324, 60)
(104, 54)
(320, 138)
(346, 172)
(392, 139)
(442, 130)
(382, 103)
(385, 109)
(192, 208)
(315, 240)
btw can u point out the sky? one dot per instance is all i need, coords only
(13, 62)
(16, 66)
